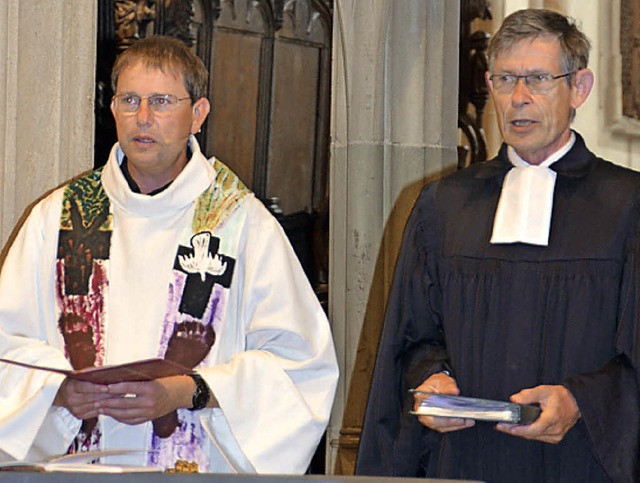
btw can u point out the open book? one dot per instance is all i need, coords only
(449, 406)
(144, 370)
(79, 463)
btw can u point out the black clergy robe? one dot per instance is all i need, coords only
(503, 318)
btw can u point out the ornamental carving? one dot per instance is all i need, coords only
(472, 93)
(131, 18)
(135, 19)
(178, 20)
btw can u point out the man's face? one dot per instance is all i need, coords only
(536, 124)
(155, 143)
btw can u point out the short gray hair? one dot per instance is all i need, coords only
(529, 24)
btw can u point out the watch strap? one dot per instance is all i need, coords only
(201, 395)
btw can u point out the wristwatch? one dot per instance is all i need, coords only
(201, 395)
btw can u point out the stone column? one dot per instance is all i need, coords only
(394, 126)
(47, 65)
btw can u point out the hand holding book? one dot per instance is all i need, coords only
(445, 405)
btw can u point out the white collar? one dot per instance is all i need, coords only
(526, 201)
(196, 177)
(516, 160)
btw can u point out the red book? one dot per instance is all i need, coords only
(144, 370)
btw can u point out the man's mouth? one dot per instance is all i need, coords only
(522, 122)
(143, 139)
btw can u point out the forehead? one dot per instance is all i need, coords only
(538, 54)
(141, 78)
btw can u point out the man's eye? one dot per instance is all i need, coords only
(538, 78)
(507, 79)
(132, 100)
(160, 101)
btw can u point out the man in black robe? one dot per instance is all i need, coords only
(518, 279)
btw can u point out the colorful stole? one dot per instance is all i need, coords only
(197, 295)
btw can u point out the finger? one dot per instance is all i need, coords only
(534, 429)
(84, 411)
(93, 413)
(440, 383)
(83, 387)
(538, 432)
(124, 388)
(444, 425)
(128, 418)
(126, 401)
(534, 395)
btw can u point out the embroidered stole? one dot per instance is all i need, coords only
(197, 295)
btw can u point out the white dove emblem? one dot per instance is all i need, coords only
(201, 260)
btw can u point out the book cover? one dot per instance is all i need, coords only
(143, 370)
(448, 406)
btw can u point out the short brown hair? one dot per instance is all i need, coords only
(167, 54)
(529, 24)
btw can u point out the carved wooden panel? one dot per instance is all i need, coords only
(473, 92)
(239, 56)
(299, 145)
(630, 50)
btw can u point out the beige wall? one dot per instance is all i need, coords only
(599, 120)
(47, 63)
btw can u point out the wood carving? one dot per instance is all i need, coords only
(131, 20)
(178, 20)
(472, 88)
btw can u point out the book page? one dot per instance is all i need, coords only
(86, 462)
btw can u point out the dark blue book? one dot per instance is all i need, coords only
(448, 406)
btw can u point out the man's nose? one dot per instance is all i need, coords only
(521, 92)
(144, 113)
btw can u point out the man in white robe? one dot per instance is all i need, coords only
(162, 254)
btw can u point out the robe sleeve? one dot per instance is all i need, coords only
(30, 428)
(609, 398)
(393, 442)
(275, 396)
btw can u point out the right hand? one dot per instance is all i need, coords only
(440, 383)
(81, 398)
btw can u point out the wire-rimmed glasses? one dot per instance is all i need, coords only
(538, 83)
(158, 103)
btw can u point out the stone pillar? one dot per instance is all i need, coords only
(394, 126)
(47, 65)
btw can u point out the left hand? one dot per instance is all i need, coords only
(139, 402)
(559, 413)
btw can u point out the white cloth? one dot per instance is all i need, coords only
(526, 201)
(272, 368)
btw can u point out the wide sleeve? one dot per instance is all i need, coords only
(275, 395)
(411, 348)
(609, 399)
(30, 428)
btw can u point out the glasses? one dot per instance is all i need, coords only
(158, 103)
(537, 83)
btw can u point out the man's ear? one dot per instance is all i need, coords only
(487, 74)
(200, 111)
(582, 87)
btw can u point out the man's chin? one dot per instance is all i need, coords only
(522, 143)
